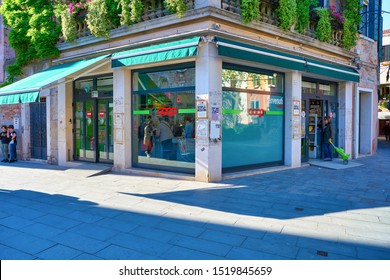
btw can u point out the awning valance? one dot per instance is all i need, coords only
(27, 90)
(155, 53)
(248, 52)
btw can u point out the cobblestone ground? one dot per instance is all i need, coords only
(305, 213)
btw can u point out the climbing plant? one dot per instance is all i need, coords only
(287, 13)
(324, 27)
(131, 11)
(303, 14)
(352, 20)
(33, 31)
(176, 6)
(249, 10)
(97, 18)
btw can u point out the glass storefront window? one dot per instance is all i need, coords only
(252, 125)
(252, 81)
(164, 120)
(309, 88)
(328, 89)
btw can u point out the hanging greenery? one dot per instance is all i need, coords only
(176, 6)
(33, 31)
(303, 14)
(352, 20)
(97, 18)
(324, 27)
(68, 22)
(132, 11)
(249, 10)
(287, 13)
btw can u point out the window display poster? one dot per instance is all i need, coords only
(202, 129)
(214, 113)
(296, 106)
(201, 109)
(94, 94)
(215, 129)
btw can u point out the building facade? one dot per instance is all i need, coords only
(202, 95)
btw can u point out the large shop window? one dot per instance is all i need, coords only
(163, 119)
(252, 127)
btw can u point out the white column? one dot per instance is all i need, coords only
(208, 162)
(292, 127)
(65, 113)
(122, 119)
(345, 116)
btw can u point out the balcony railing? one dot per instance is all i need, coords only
(267, 14)
(153, 9)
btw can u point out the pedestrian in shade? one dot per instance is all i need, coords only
(4, 138)
(12, 143)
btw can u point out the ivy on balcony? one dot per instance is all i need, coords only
(37, 25)
(325, 24)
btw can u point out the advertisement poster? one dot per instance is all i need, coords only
(202, 129)
(201, 109)
(215, 129)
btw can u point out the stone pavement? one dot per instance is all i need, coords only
(305, 213)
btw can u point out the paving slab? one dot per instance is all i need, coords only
(302, 213)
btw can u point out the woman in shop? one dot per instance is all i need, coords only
(148, 137)
(165, 135)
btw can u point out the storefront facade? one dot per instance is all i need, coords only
(230, 101)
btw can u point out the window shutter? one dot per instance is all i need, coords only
(380, 54)
(374, 14)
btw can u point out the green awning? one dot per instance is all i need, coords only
(27, 89)
(243, 51)
(155, 53)
(248, 52)
(330, 70)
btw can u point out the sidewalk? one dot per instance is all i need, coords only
(305, 213)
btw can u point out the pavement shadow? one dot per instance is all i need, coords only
(295, 193)
(36, 225)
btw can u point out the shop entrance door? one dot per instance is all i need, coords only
(93, 129)
(313, 128)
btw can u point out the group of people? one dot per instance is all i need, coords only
(8, 138)
(386, 130)
(166, 134)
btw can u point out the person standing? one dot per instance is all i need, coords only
(148, 137)
(4, 138)
(386, 130)
(327, 138)
(12, 143)
(164, 133)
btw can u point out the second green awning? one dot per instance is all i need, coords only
(155, 53)
(253, 53)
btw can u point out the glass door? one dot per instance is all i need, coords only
(85, 130)
(105, 130)
(93, 115)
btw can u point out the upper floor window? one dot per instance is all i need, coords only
(363, 29)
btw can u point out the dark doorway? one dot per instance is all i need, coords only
(38, 135)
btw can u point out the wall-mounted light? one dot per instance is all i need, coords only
(356, 59)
